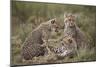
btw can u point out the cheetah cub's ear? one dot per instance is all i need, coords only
(53, 21)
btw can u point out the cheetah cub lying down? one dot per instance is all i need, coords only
(66, 47)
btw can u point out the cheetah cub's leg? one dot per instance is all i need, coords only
(47, 48)
(45, 37)
(46, 45)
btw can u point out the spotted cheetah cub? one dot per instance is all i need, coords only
(67, 47)
(71, 29)
(33, 45)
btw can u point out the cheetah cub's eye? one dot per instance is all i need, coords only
(69, 40)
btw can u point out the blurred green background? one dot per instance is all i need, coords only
(25, 16)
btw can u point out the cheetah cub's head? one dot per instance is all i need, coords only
(69, 20)
(66, 41)
(53, 25)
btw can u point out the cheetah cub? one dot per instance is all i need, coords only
(67, 47)
(34, 43)
(71, 29)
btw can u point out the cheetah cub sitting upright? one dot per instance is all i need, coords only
(33, 45)
(71, 29)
